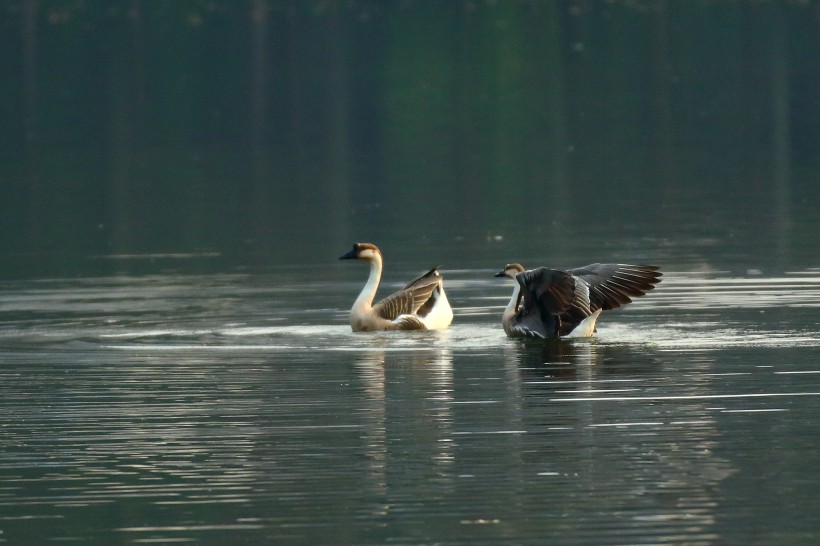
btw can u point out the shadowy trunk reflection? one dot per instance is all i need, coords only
(337, 179)
(127, 107)
(781, 133)
(30, 120)
(260, 135)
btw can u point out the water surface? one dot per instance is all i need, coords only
(241, 409)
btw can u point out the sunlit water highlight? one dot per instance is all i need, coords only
(241, 409)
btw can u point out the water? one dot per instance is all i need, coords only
(239, 408)
(179, 178)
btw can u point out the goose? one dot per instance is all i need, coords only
(560, 303)
(421, 305)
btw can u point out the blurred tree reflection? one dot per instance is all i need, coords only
(134, 125)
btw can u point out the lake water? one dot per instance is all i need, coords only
(239, 408)
(178, 179)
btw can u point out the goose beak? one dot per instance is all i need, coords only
(500, 274)
(352, 255)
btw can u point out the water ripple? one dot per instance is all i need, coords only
(217, 409)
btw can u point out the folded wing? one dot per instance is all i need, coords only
(410, 299)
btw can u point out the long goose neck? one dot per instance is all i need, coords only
(510, 310)
(368, 293)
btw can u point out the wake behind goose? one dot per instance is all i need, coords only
(560, 303)
(421, 305)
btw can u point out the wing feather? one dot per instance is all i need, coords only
(432, 273)
(409, 322)
(552, 289)
(409, 299)
(546, 294)
(613, 285)
(609, 287)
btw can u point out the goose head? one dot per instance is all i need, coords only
(510, 270)
(362, 251)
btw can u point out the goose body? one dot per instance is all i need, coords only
(421, 305)
(558, 303)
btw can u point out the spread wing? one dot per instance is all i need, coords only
(409, 299)
(608, 286)
(613, 285)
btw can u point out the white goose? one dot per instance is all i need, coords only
(421, 305)
(568, 303)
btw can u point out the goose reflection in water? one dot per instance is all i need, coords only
(575, 397)
(573, 359)
(421, 385)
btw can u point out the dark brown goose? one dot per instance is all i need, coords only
(421, 305)
(558, 303)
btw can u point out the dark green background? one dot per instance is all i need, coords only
(271, 131)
